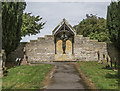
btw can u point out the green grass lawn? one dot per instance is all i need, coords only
(102, 78)
(26, 77)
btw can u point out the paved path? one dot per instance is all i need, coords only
(65, 77)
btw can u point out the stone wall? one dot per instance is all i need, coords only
(85, 49)
(42, 49)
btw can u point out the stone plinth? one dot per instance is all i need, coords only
(64, 57)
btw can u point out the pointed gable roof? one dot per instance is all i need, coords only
(64, 21)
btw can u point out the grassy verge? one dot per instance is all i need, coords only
(26, 77)
(101, 77)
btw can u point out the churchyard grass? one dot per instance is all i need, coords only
(101, 77)
(26, 77)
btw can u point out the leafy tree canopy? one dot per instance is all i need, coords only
(16, 24)
(93, 27)
(113, 22)
(31, 25)
(11, 24)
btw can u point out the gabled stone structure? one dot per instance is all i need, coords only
(65, 45)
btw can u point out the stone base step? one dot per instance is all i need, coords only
(64, 57)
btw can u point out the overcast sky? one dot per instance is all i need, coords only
(54, 12)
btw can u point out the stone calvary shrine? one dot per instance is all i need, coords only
(65, 45)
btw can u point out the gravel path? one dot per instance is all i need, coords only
(65, 77)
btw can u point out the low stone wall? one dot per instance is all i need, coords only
(85, 49)
(41, 50)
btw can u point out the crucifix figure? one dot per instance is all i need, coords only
(64, 39)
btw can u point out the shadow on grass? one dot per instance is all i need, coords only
(112, 76)
(109, 68)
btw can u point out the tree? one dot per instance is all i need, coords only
(119, 25)
(113, 22)
(93, 27)
(31, 24)
(11, 24)
(0, 30)
(16, 24)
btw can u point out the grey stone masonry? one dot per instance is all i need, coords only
(85, 49)
(41, 49)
